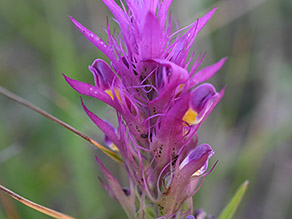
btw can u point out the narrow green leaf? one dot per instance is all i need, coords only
(232, 206)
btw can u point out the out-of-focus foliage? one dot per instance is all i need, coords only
(250, 130)
(230, 209)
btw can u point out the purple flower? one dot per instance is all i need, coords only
(159, 103)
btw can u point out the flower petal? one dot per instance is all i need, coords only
(214, 103)
(202, 101)
(171, 78)
(190, 217)
(196, 154)
(103, 75)
(178, 190)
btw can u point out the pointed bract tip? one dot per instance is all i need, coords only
(75, 22)
(68, 80)
(72, 19)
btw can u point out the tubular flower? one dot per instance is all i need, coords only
(159, 104)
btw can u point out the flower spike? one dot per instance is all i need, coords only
(159, 104)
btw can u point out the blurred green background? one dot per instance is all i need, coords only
(250, 130)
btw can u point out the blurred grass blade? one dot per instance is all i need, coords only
(232, 206)
(26, 103)
(35, 206)
(9, 207)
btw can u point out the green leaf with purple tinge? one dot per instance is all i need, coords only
(232, 206)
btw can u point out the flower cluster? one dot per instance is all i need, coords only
(159, 104)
